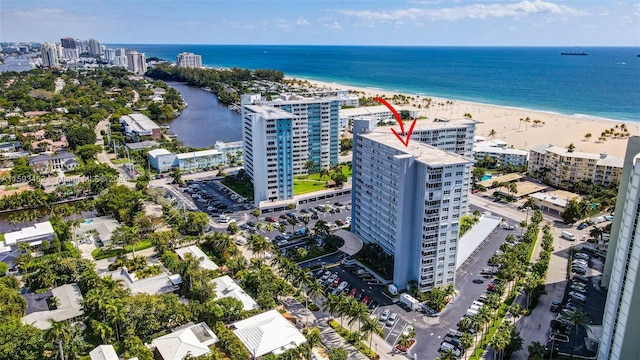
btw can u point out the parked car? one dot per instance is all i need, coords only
(271, 219)
(366, 300)
(582, 226)
(282, 242)
(579, 270)
(326, 275)
(332, 277)
(343, 285)
(384, 315)
(336, 281)
(353, 292)
(407, 330)
(392, 319)
(555, 306)
(284, 216)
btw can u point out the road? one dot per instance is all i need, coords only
(103, 158)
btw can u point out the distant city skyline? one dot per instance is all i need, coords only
(414, 22)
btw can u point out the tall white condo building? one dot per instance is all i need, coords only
(620, 325)
(409, 200)
(189, 60)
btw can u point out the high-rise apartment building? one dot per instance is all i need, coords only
(620, 327)
(189, 60)
(94, 47)
(68, 42)
(49, 54)
(136, 62)
(269, 136)
(409, 200)
(314, 124)
(70, 54)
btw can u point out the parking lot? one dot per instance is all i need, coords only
(587, 285)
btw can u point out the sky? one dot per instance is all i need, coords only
(326, 22)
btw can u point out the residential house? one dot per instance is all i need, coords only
(205, 261)
(41, 311)
(46, 164)
(226, 287)
(34, 235)
(159, 284)
(189, 339)
(268, 333)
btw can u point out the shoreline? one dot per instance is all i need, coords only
(550, 127)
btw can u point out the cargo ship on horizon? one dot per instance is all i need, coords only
(583, 53)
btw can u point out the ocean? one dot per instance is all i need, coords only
(603, 84)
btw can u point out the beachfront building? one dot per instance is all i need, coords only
(136, 62)
(49, 53)
(621, 271)
(563, 167)
(282, 135)
(321, 117)
(189, 60)
(409, 200)
(139, 125)
(498, 150)
(271, 138)
(378, 113)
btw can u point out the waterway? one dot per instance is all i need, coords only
(205, 120)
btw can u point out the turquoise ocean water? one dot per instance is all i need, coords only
(605, 83)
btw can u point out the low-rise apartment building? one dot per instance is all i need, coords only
(562, 167)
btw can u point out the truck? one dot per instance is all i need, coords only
(567, 235)
(411, 302)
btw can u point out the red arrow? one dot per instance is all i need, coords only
(405, 142)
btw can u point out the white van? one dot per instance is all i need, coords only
(447, 346)
(567, 235)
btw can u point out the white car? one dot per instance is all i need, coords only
(392, 319)
(332, 277)
(282, 242)
(342, 285)
(385, 315)
(407, 330)
(326, 275)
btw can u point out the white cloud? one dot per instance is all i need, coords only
(473, 11)
(330, 23)
(302, 21)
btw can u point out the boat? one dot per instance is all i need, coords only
(574, 53)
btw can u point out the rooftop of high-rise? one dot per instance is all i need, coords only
(270, 112)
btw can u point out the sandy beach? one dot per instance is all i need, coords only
(542, 127)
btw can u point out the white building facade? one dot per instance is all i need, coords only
(409, 200)
(272, 139)
(189, 60)
(620, 326)
(137, 62)
(49, 54)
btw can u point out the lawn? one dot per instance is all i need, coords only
(241, 188)
(313, 182)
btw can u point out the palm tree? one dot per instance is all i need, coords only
(485, 315)
(61, 333)
(447, 355)
(467, 341)
(310, 166)
(577, 319)
(571, 148)
(537, 351)
(321, 228)
(499, 342)
(116, 314)
(404, 341)
(314, 338)
(268, 227)
(315, 289)
(526, 122)
(358, 311)
(331, 304)
(305, 221)
(324, 172)
(596, 232)
(493, 133)
(371, 326)
(530, 284)
(103, 330)
(587, 136)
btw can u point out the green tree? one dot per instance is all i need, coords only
(536, 351)
(478, 173)
(176, 174)
(126, 236)
(195, 224)
(134, 347)
(467, 341)
(60, 333)
(18, 341)
(493, 133)
(79, 135)
(89, 151)
(337, 353)
(572, 212)
(577, 319)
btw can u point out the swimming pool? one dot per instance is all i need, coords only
(486, 177)
(88, 221)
